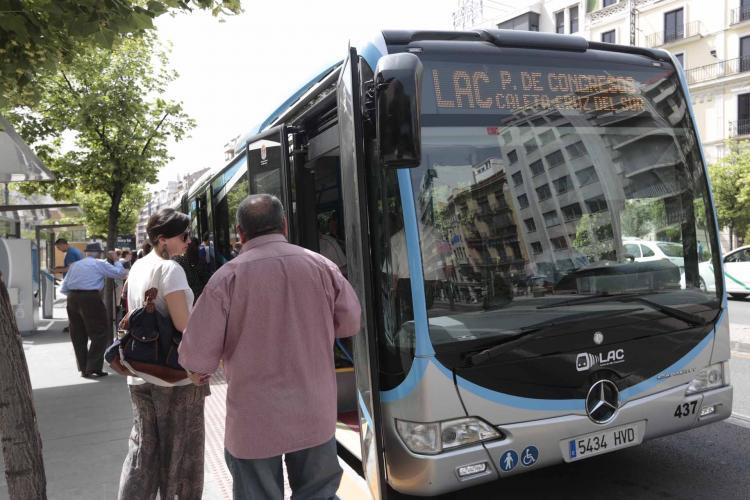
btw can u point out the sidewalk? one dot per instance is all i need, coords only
(85, 424)
(739, 336)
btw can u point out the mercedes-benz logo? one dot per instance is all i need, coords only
(602, 401)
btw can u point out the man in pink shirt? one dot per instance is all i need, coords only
(272, 315)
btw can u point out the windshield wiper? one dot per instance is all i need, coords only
(673, 312)
(534, 331)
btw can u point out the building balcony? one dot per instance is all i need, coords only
(664, 37)
(718, 70)
(738, 15)
(739, 128)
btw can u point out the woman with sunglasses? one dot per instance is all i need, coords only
(165, 452)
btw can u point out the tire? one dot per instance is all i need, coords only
(739, 296)
(704, 288)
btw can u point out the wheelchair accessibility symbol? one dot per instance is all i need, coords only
(529, 456)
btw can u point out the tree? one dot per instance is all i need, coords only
(36, 36)
(22, 445)
(111, 103)
(730, 181)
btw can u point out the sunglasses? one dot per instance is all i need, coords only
(185, 236)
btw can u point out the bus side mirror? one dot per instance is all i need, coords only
(398, 80)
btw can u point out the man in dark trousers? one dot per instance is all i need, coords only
(87, 314)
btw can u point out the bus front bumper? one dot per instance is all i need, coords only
(540, 443)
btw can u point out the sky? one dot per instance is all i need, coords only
(234, 73)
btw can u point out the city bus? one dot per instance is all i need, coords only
(523, 216)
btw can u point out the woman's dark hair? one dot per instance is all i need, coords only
(166, 223)
(145, 248)
(192, 254)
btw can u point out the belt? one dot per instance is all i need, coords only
(84, 291)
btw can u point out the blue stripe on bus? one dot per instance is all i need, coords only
(413, 378)
(372, 55)
(633, 391)
(364, 411)
(422, 332)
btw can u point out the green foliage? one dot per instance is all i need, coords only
(110, 105)
(730, 181)
(594, 237)
(641, 217)
(36, 36)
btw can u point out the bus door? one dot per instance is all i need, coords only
(268, 165)
(354, 201)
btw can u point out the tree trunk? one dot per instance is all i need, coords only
(109, 285)
(22, 445)
(731, 237)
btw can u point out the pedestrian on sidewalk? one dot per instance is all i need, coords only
(87, 315)
(165, 452)
(272, 315)
(72, 254)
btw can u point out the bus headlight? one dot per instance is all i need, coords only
(708, 378)
(435, 437)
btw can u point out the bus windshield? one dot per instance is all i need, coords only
(540, 185)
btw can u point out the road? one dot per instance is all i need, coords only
(710, 462)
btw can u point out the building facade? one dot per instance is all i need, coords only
(710, 38)
(169, 196)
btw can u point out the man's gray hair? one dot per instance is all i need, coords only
(260, 214)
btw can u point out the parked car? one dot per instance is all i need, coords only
(646, 251)
(736, 273)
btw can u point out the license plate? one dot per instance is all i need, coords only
(597, 443)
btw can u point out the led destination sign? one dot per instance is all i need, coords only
(452, 88)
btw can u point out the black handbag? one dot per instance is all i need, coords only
(149, 345)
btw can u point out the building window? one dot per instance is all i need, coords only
(543, 192)
(745, 53)
(674, 26)
(562, 185)
(530, 146)
(596, 204)
(680, 59)
(560, 243)
(517, 179)
(587, 176)
(607, 3)
(538, 122)
(530, 225)
(512, 157)
(523, 201)
(551, 218)
(573, 19)
(555, 159)
(576, 150)
(536, 247)
(524, 22)
(743, 114)
(608, 36)
(572, 212)
(537, 168)
(560, 22)
(547, 137)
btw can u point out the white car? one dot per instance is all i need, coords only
(736, 273)
(645, 251)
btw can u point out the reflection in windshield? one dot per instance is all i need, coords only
(552, 202)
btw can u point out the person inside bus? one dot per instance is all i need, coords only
(330, 246)
(276, 342)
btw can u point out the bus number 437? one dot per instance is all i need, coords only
(685, 409)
